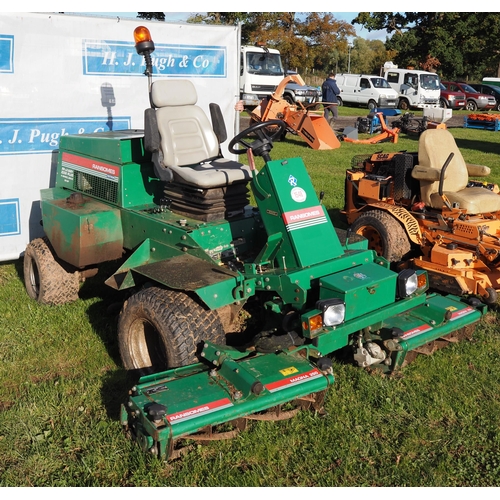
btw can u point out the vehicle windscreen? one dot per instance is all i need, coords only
(429, 82)
(264, 63)
(380, 83)
(469, 89)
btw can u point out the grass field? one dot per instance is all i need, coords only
(61, 385)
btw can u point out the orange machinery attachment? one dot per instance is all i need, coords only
(387, 134)
(313, 128)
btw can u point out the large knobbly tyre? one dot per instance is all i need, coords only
(46, 280)
(384, 233)
(160, 329)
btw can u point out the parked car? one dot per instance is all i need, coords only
(490, 90)
(451, 99)
(475, 100)
(305, 94)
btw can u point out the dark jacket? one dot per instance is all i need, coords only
(330, 91)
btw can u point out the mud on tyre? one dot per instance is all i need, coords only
(160, 329)
(384, 233)
(46, 280)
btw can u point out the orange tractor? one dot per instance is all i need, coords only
(422, 210)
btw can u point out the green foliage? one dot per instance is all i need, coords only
(159, 16)
(61, 384)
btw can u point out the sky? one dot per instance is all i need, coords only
(182, 17)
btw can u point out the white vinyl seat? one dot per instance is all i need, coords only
(435, 145)
(188, 144)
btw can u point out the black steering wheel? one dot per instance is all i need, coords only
(264, 142)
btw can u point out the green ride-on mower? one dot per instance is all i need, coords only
(196, 258)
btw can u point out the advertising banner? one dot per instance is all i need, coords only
(67, 74)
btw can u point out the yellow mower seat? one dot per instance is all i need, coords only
(434, 147)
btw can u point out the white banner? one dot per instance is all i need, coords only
(62, 74)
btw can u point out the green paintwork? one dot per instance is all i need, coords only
(291, 209)
(364, 288)
(84, 233)
(195, 396)
(287, 251)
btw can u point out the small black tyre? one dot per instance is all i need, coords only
(443, 103)
(45, 279)
(384, 233)
(340, 101)
(372, 104)
(288, 98)
(492, 296)
(160, 329)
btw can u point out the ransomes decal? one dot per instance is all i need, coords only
(99, 169)
(305, 217)
(416, 331)
(190, 413)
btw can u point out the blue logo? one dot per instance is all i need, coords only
(121, 59)
(41, 135)
(292, 180)
(6, 54)
(9, 217)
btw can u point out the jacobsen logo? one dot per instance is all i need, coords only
(295, 380)
(199, 410)
(103, 170)
(305, 217)
(121, 59)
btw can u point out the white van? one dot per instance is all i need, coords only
(366, 90)
(416, 88)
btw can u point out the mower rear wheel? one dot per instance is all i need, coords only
(45, 279)
(160, 329)
(384, 233)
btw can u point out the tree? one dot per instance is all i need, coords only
(159, 16)
(456, 44)
(306, 41)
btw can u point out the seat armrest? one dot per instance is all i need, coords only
(477, 170)
(422, 173)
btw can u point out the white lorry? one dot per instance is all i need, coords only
(261, 71)
(416, 88)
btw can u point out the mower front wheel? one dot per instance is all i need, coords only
(45, 279)
(160, 329)
(384, 233)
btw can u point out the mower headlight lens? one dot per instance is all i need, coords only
(407, 282)
(333, 311)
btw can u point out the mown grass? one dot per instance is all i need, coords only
(61, 384)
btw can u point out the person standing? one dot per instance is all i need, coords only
(330, 92)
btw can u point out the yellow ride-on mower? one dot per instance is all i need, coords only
(422, 210)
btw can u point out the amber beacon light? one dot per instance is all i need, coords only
(144, 44)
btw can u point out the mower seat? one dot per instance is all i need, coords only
(188, 146)
(434, 147)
